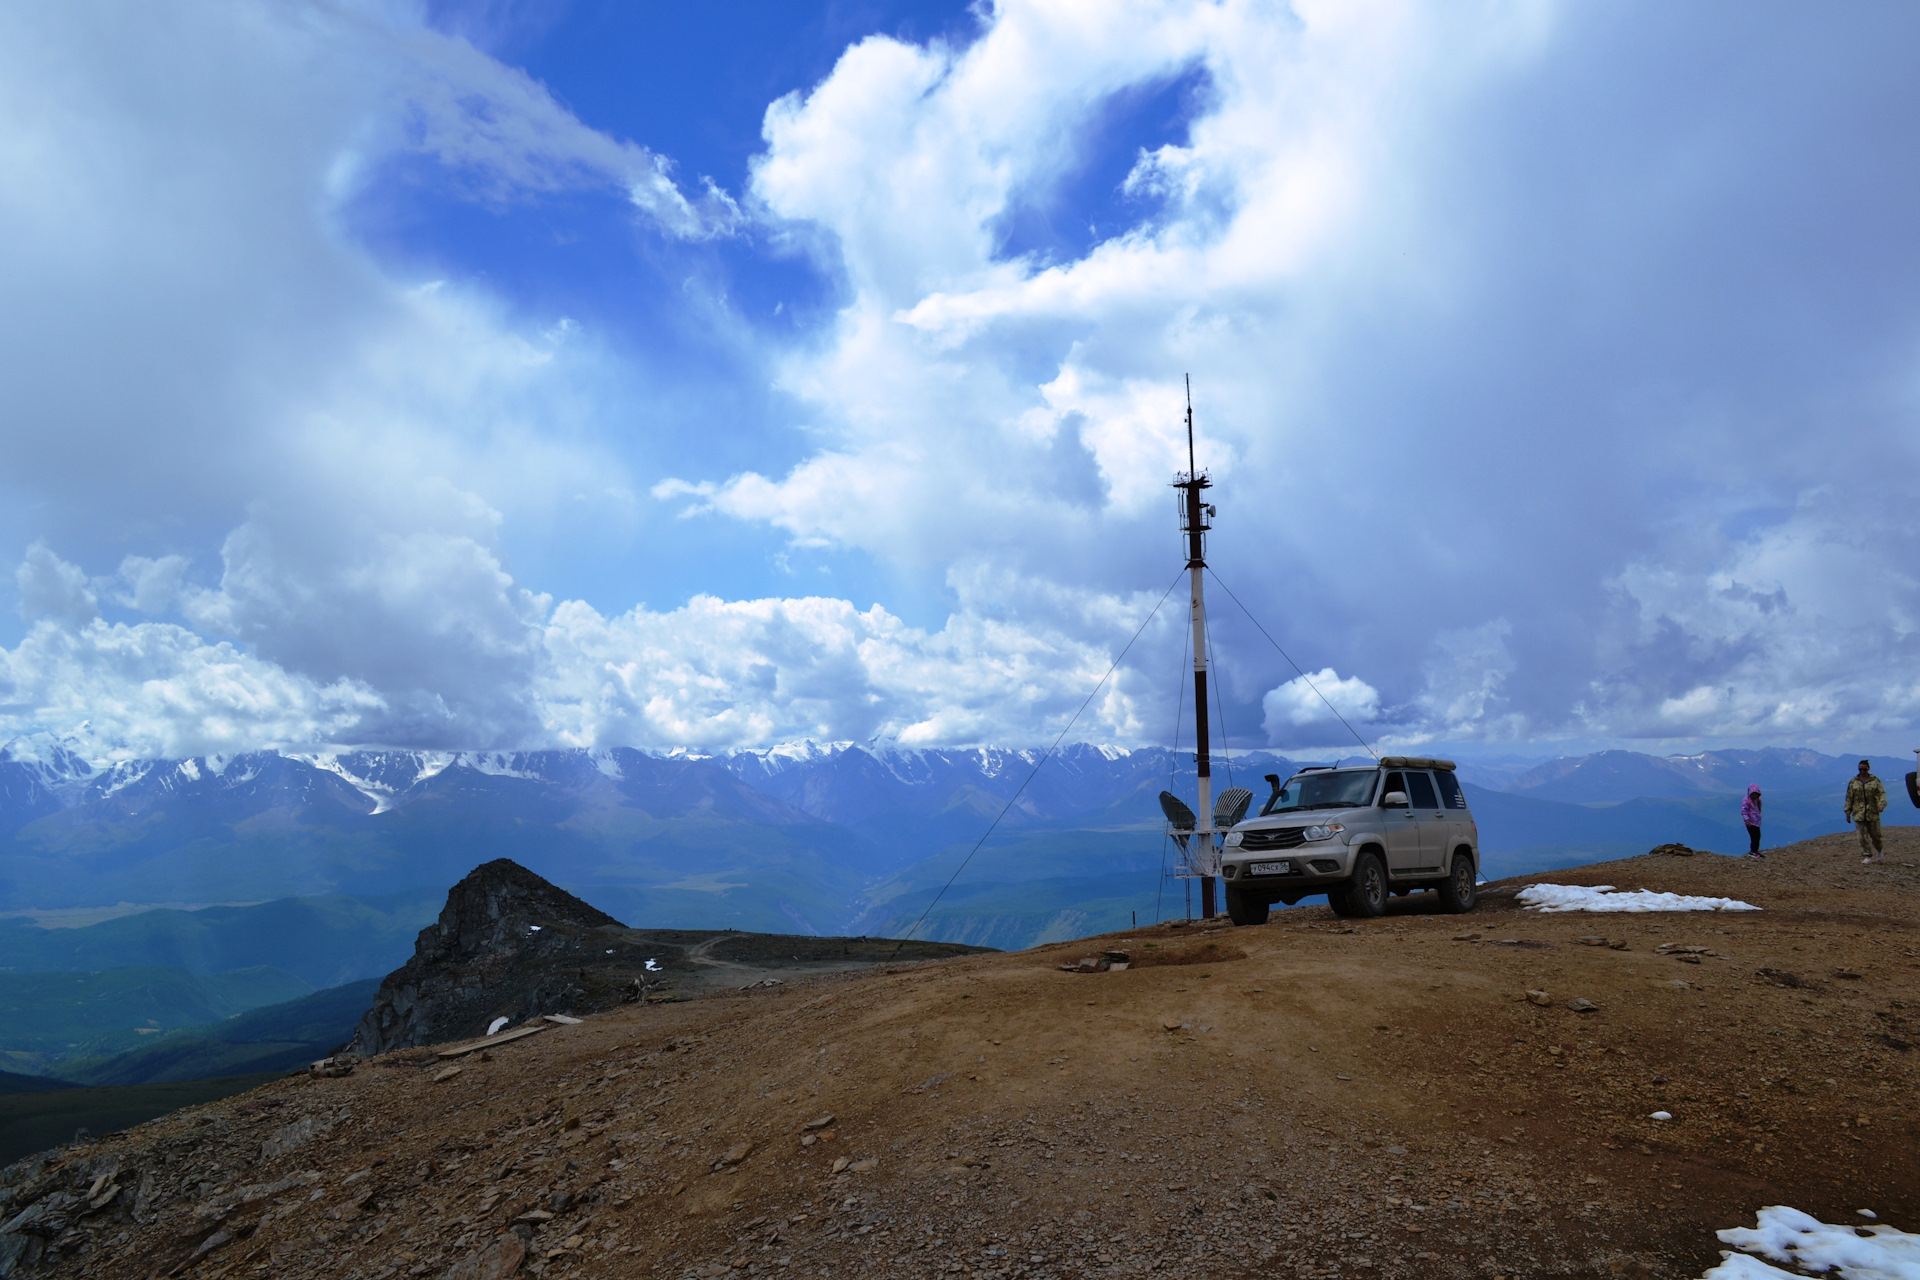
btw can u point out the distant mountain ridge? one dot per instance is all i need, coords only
(1612, 777)
(806, 837)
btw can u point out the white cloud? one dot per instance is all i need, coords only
(1807, 629)
(51, 588)
(188, 323)
(443, 647)
(1316, 704)
(469, 111)
(1424, 272)
(154, 689)
(1555, 411)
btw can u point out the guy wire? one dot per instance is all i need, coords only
(1114, 666)
(1296, 666)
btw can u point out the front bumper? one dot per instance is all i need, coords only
(1302, 867)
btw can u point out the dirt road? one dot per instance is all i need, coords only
(1313, 1097)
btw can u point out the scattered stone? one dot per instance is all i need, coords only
(1170, 1024)
(496, 1261)
(820, 1122)
(444, 1076)
(1661, 1116)
(329, 1068)
(735, 1154)
(864, 1166)
(1540, 998)
(1617, 945)
(840, 1164)
(1591, 941)
(1670, 851)
(212, 1242)
(1580, 1004)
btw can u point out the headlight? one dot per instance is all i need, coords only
(1325, 832)
(1233, 838)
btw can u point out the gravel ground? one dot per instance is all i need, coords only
(1313, 1097)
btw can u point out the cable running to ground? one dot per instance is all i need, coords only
(1296, 666)
(1036, 764)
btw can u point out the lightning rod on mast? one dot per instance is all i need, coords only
(1194, 514)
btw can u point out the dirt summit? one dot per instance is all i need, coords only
(1418, 1095)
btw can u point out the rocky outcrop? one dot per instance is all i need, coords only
(507, 945)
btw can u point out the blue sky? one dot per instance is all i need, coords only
(510, 375)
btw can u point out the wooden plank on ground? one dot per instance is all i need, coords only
(560, 1019)
(466, 1047)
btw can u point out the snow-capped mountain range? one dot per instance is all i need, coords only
(814, 837)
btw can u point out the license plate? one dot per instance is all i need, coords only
(1271, 868)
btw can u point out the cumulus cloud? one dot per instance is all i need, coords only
(1476, 351)
(188, 320)
(154, 689)
(51, 588)
(446, 649)
(1541, 409)
(739, 673)
(1308, 709)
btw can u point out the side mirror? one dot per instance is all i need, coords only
(1394, 800)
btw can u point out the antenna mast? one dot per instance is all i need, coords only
(1194, 514)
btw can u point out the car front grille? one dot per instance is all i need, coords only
(1284, 838)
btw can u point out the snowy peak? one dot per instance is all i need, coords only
(1609, 777)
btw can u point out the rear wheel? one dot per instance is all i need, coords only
(1366, 891)
(1458, 892)
(1245, 908)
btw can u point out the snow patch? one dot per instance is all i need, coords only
(379, 793)
(123, 776)
(1573, 897)
(1802, 1241)
(190, 770)
(498, 764)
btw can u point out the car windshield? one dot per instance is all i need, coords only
(1328, 789)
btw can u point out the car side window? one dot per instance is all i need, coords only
(1450, 789)
(1420, 792)
(1394, 782)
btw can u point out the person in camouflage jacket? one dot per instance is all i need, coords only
(1866, 798)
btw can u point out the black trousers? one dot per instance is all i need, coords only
(1753, 838)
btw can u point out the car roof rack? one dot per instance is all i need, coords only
(1415, 762)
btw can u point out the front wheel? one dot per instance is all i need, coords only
(1366, 892)
(1244, 908)
(1458, 892)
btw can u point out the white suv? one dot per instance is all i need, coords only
(1356, 835)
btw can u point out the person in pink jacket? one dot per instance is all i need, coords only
(1750, 814)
